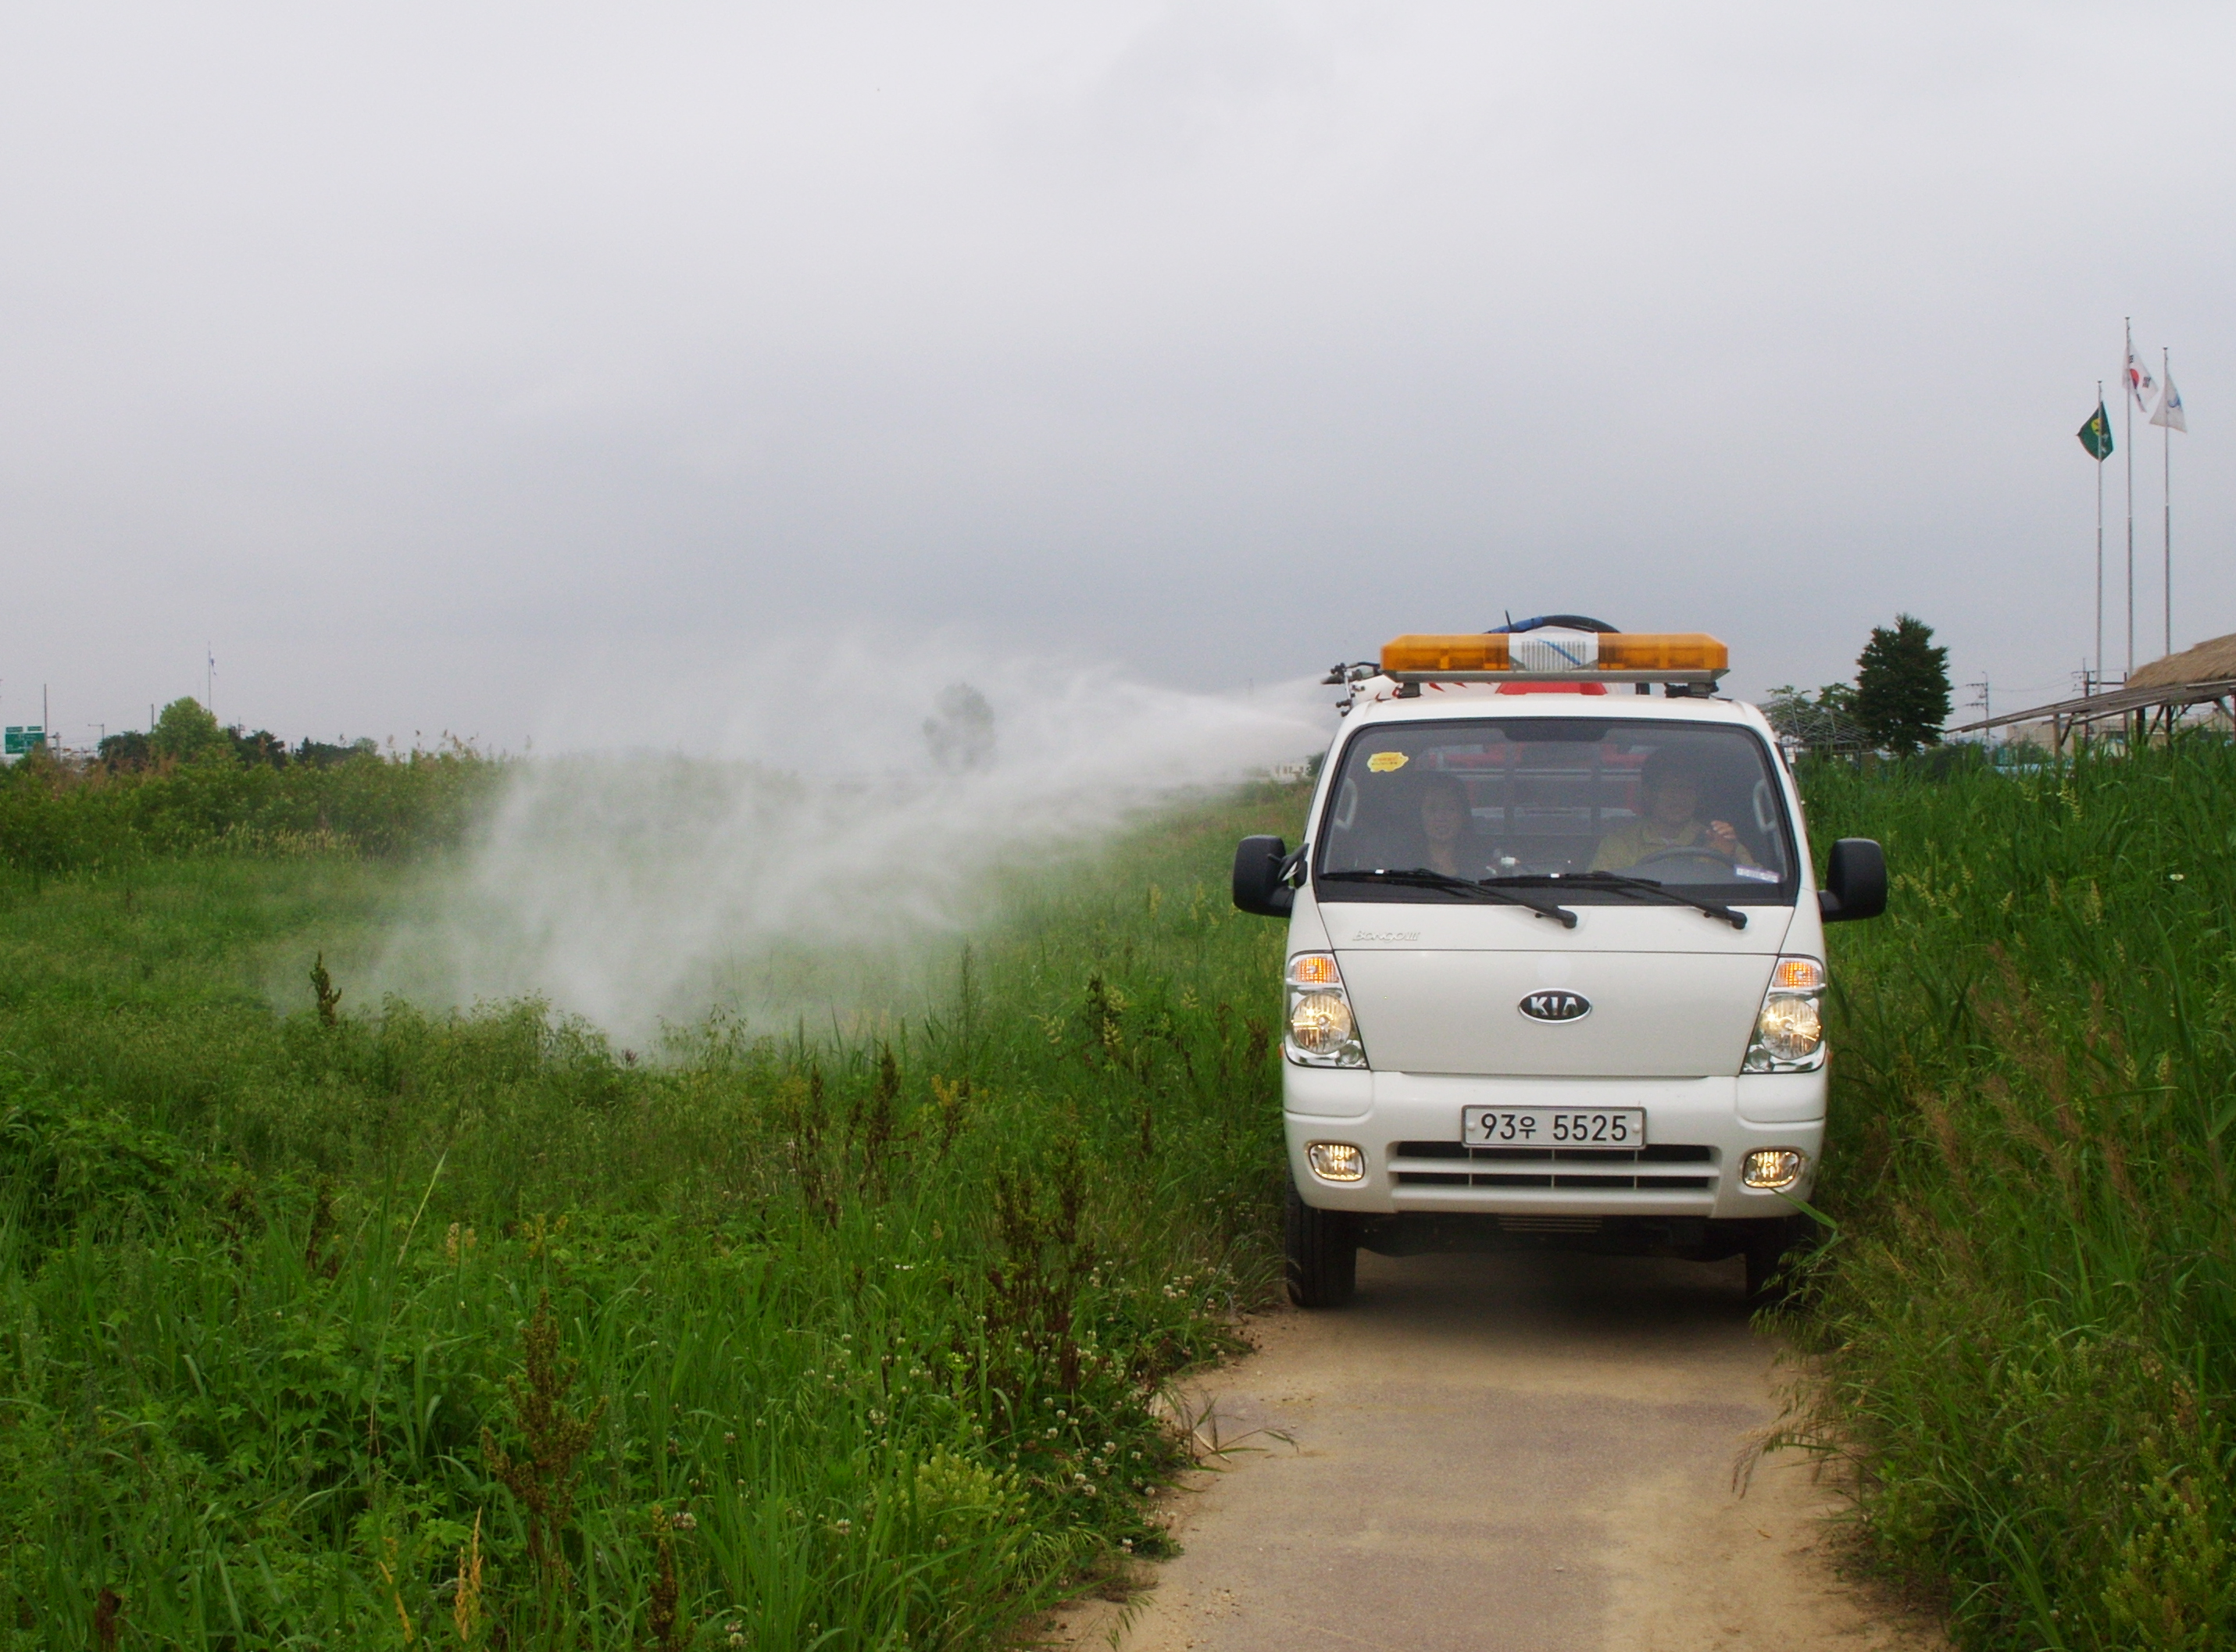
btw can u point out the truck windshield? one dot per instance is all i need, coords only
(1692, 807)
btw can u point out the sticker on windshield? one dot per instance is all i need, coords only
(1384, 762)
(1760, 874)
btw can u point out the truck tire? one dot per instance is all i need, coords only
(1322, 1248)
(1767, 1285)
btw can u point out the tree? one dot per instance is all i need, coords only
(961, 735)
(186, 729)
(130, 750)
(1901, 686)
(318, 754)
(262, 746)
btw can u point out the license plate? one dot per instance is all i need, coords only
(1553, 1126)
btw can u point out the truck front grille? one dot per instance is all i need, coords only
(1563, 1167)
(1548, 1224)
(1673, 1153)
(1456, 1178)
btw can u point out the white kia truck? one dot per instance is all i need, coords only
(1556, 960)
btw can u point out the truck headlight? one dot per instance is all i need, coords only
(1789, 1033)
(1322, 1031)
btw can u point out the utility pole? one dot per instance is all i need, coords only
(1980, 699)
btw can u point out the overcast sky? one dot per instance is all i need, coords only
(440, 365)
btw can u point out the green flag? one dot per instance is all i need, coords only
(2096, 435)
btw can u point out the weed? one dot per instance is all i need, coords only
(669, 1625)
(317, 1258)
(802, 1109)
(1042, 1263)
(875, 1121)
(951, 1109)
(543, 1481)
(388, 1564)
(466, 1589)
(329, 997)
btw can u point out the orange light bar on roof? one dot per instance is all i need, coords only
(1484, 651)
(1669, 651)
(1686, 653)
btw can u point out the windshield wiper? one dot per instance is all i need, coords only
(1421, 877)
(1623, 884)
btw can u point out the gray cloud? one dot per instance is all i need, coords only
(439, 366)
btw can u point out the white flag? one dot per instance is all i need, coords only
(2169, 413)
(2140, 382)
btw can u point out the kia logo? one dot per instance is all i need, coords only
(1556, 1007)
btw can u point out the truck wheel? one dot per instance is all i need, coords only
(1767, 1285)
(1323, 1255)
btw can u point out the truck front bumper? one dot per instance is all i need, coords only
(1698, 1132)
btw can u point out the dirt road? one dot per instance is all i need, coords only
(1510, 1453)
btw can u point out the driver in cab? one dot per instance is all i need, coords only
(1669, 819)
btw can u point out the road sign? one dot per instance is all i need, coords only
(23, 738)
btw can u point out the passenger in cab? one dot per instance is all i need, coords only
(1443, 826)
(1669, 793)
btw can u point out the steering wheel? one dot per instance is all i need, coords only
(1722, 873)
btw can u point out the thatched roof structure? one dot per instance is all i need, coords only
(2214, 661)
(2163, 690)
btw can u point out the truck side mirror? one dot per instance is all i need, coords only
(1258, 886)
(1855, 881)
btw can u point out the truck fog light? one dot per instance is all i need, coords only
(1772, 1168)
(1336, 1161)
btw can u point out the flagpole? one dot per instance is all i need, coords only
(2166, 491)
(2100, 549)
(2127, 378)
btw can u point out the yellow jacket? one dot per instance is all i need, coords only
(1626, 845)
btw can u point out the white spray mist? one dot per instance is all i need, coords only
(846, 822)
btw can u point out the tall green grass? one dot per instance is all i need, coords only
(2027, 1318)
(396, 1329)
(411, 1329)
(59, 817)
